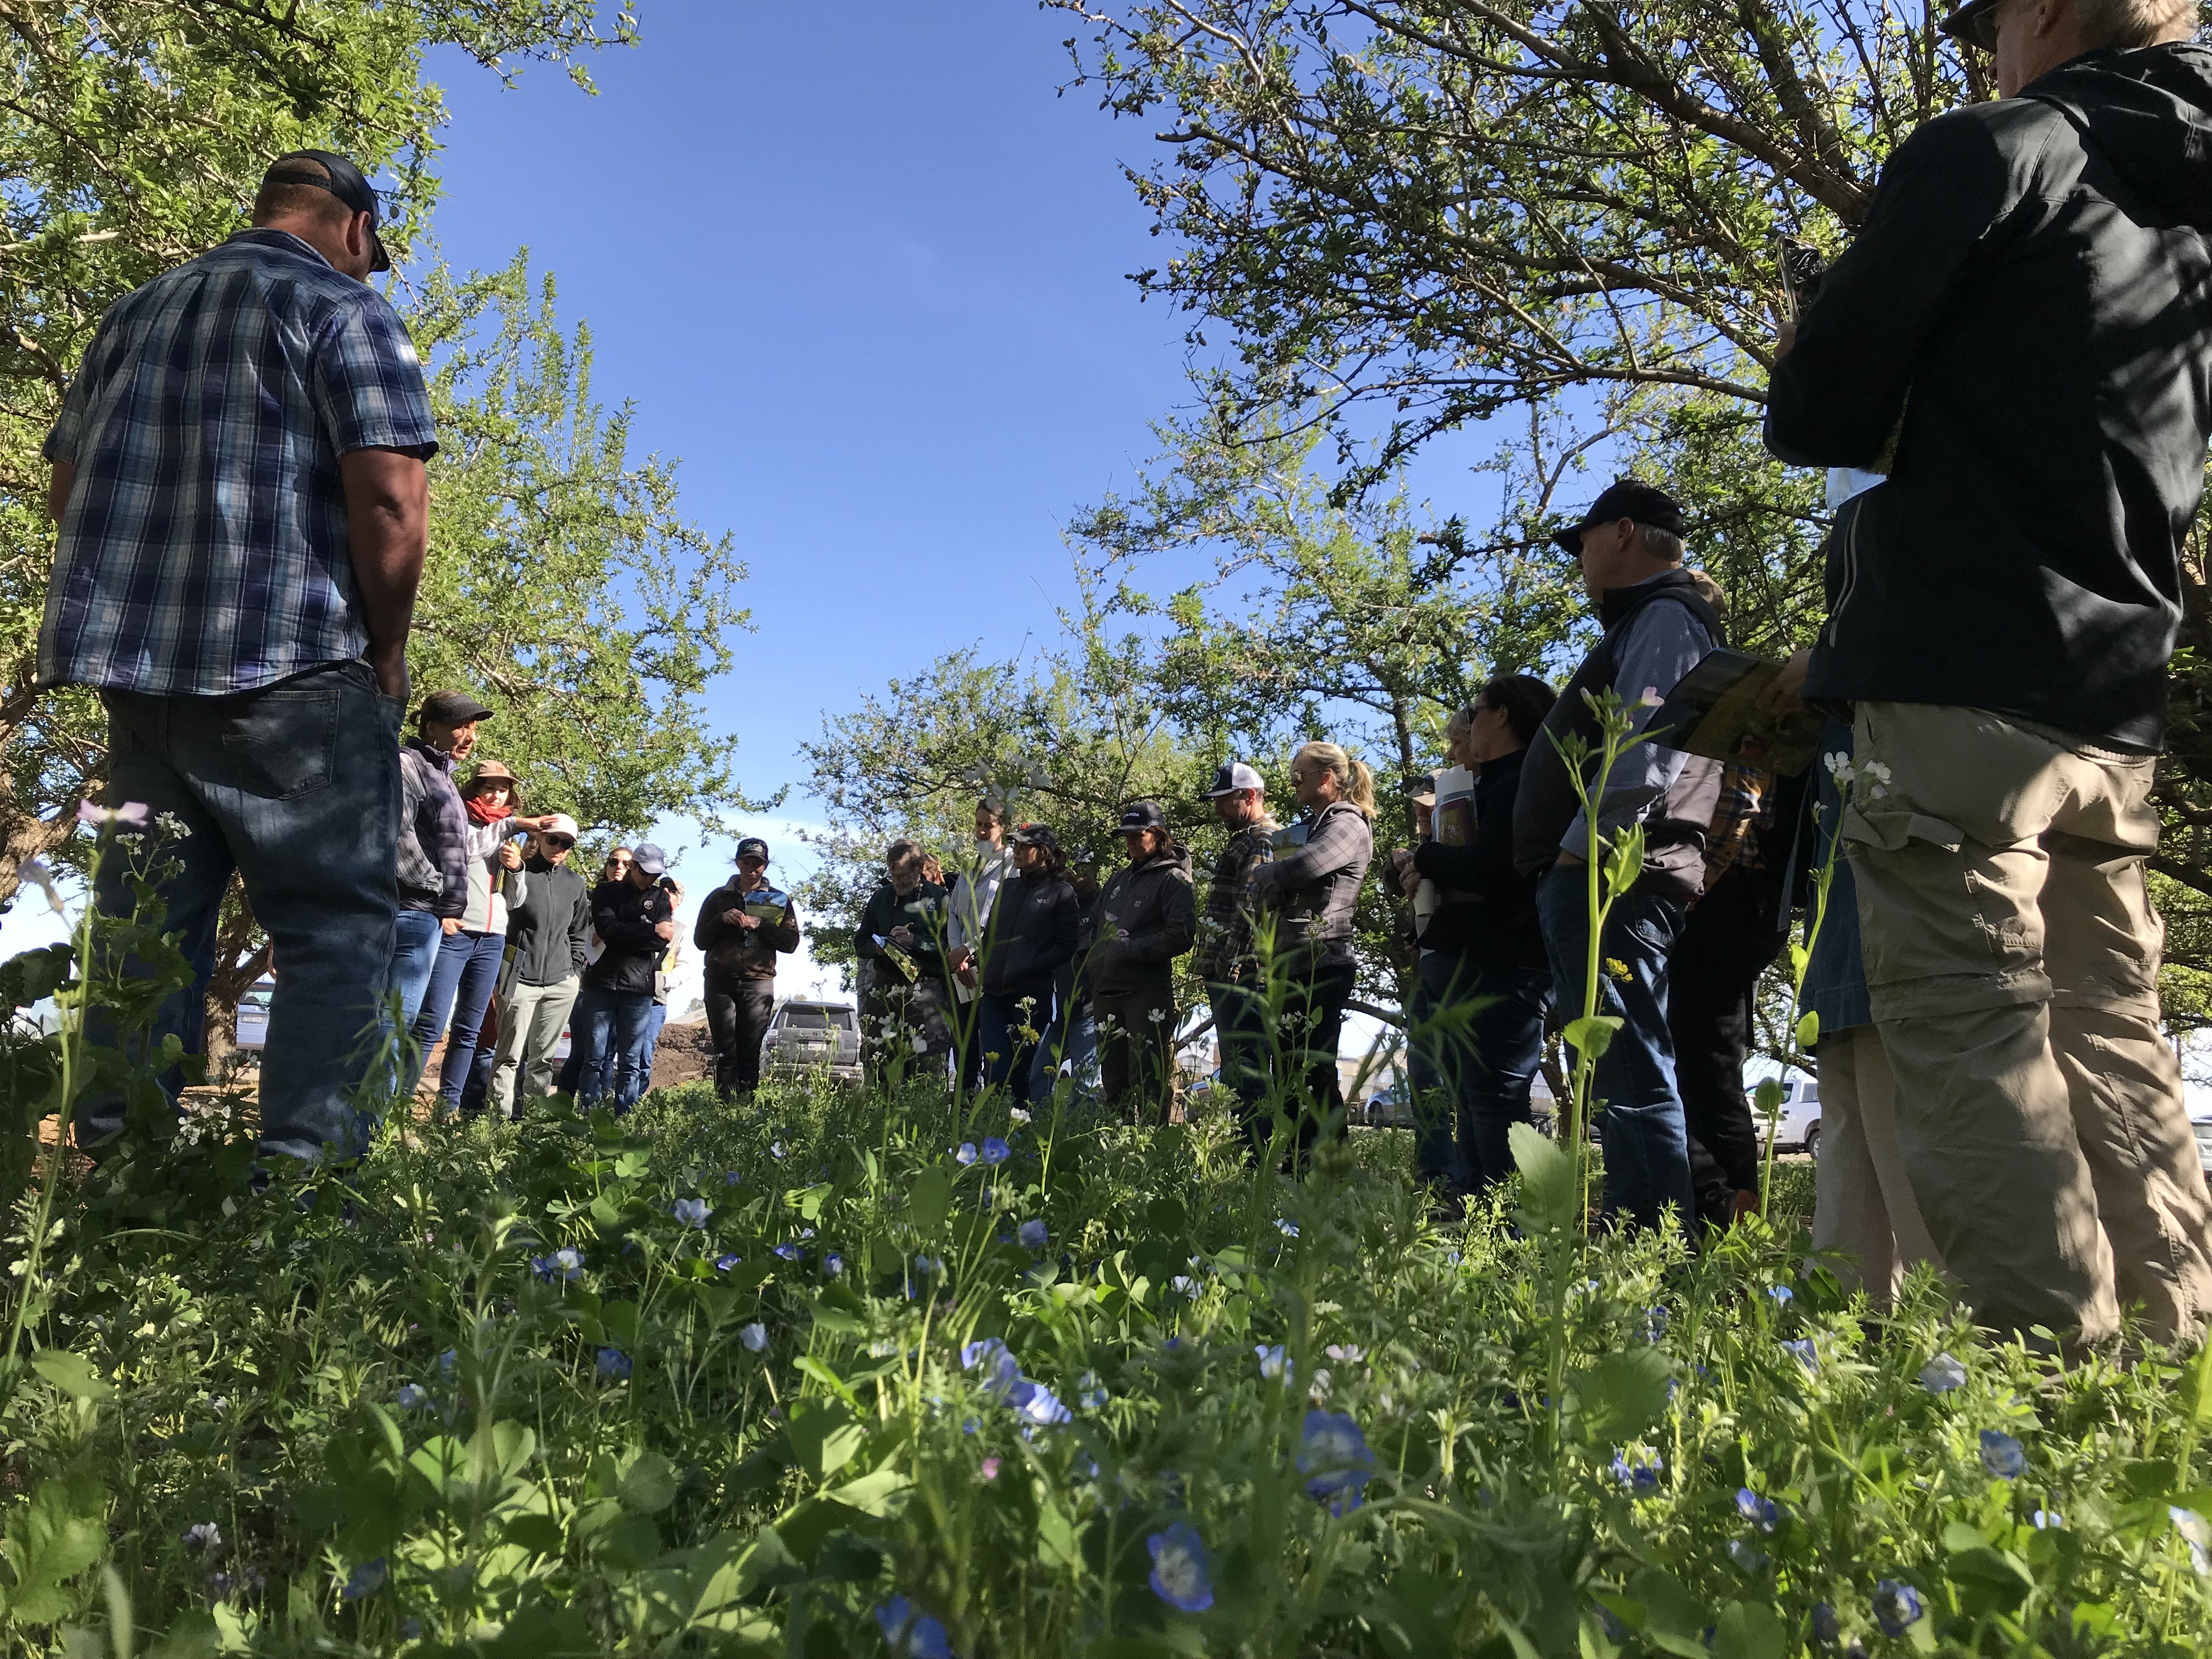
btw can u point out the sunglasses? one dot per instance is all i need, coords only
(560, 842)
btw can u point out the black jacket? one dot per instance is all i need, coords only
(1032, 932)
(625, 918)
(922, 913)
(2028, 311)
(1147, 917)
(732, 953)
(1489, 914)
(549, 932)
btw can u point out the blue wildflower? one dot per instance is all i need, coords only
(1761, 1512)
(1285, 1226)
(1639, 1477)
(2001, 1454)
(203, 1535)
(1333, 1454)
(615, 1364)
(2195, 1534)
(787, 1250)
(910, 1632)
(930, 1265)
(1038, 1403)
(565, 1264)
(1183, 1572)
(995, 1150)
(969, 1425)
(730, 1177)
(1032, 1235)
(1655, 1323)
(1092, 1393)
(365, 1580)
(1274, 1363)
(1828, 1629)
(833, 1264)
(1896, 1606)
(691, 1212)
(413, 1398)
(1782, 1295)
(806, 1232)
(754, 1336)
(966, 1155)
(1001, 1369)
(446, 1361)
(2048, 1520)
(776, 1151)
(1942, 1374)
(725, 1262)
(1808, 1355)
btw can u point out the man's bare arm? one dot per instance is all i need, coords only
(58, 489)
(388, 521)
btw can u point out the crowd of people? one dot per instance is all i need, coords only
(2008, 376)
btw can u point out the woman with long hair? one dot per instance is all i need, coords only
(1310, 889)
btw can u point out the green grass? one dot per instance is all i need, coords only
(1571, 1445)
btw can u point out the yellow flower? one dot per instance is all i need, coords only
(1618, 969)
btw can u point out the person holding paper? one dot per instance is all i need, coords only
(744, 926)
(900, 940)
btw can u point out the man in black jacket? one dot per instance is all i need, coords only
(744, 926)
(2021, 337)
(635, 920)
(901, 941)
(1147, 917)
(1029, 937)
(549, 936)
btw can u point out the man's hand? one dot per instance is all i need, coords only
(1403, 873)
(901, 937)
(58, 489)
(733, 917)
(1786, 337)
(1568, 861)
(452, 925)
(387, 496)
(1785, 694)
(664, 931)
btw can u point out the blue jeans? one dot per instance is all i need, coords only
(612, 1042)
(460, 991)
(1007, 1057)
(416, 936)
(1073, 1037)
(649, 1041)
(1240, 1031)
(296, 788)
(1647, 1149)
(1483, 1055)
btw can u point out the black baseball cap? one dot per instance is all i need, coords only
(1142, 815)
(1975, 23)
(754, 846)
(343, 180)
(453, 709)
(1626, 498)
(1034, 835)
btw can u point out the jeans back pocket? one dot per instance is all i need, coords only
(282, 745)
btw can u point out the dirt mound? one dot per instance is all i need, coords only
(686, 1055)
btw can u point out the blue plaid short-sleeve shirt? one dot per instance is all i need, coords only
(205, 549)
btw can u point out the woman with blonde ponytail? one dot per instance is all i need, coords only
(1311, 889)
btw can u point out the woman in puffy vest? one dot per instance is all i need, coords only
(1309, 889)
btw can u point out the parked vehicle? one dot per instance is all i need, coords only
(803, 1036)
(2203, 1127)
(1798, 1128)
(1389, 1109)
(254, 1015)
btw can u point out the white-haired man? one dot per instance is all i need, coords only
(2019, 337)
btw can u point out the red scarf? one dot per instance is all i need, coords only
(482, 810)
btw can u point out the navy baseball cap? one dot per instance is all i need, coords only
(343, 180)
(649, 859)
(1142, 815)
(753, 847)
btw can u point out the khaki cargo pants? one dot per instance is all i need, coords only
(2012, 954)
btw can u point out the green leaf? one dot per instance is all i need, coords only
(1808, 1029)
(1619, 1396)
(49, 1540)
(1591, 1035)
(1674, 1620)
(194, 1636)
(649, 1484)
(1747, 1630)
(930, 1200)
(1768, 1097)
(824, 1439)
(1547, 1180)
(71, 1373)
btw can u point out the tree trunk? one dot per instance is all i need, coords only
(27, 838)
(242, 953)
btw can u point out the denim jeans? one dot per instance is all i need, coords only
(296, 788)
(1073, 1037)
(1240, 1031)
(461, 990)
(1432, 1070)
(1496, 1062)
(416, 936)
(648, 1042)
(613, 1044)
(1007, 1056)
(570, 1079)
(1647, 1149)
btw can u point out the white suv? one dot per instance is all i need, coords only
(1798, 1128)
(806, 1034)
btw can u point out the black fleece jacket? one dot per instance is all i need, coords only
(1489, 915)
(1032, 932)
(2027, 312)
(551, 930)
(627, 920)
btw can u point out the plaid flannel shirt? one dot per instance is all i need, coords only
(1225, 926)
(204, 550)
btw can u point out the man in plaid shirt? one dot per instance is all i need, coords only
(239, 477)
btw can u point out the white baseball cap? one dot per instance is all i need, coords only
(560, 823)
